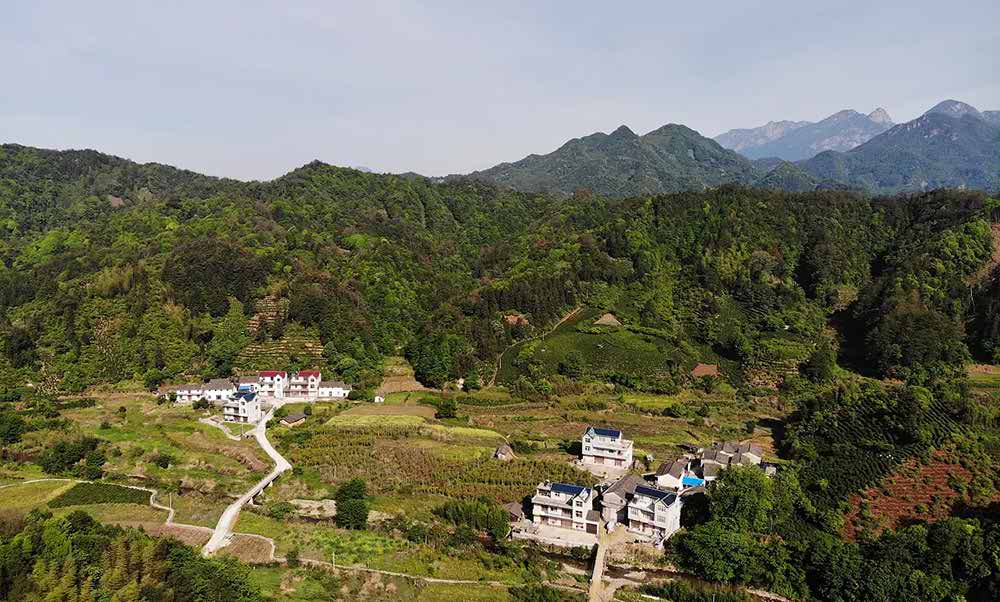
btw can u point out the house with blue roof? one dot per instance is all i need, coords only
(244, 406)
(605, 447)
(565, 506)
(655, 513)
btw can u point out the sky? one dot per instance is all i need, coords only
(253, 89)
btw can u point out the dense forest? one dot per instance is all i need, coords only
(858, 315)
(113, 270)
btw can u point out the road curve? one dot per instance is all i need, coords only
(224, 529)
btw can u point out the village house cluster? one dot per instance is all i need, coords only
(241, 398)
(649, 505)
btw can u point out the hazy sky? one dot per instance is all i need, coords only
(253, 89)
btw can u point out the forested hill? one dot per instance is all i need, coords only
(669, 159)
(113, 270)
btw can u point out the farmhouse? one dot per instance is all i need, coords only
(670, 475)
(332, 389)
(724, 455)
(565, 506)
(294, 419)
(218, 389)
(304, 384)
(242, 407)
(655, 513)
(614, 499)
(603, 446)
(184, 393)
(272, 383)
(248, 383)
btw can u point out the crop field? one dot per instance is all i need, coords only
(916, 491)
(201, 457)
(99, 493)
(404, 454)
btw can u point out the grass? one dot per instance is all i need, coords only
(440, 592)
(604, 350)
(351, 420)
(118, 513)
(26, 496)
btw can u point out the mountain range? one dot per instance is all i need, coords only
(951, 145)
(798, 140)
(669, 159)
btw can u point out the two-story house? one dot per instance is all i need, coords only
(242, 407)
(654, 512)
(183, 393)
(615, 499)
(248, 383)
(218, 389)
(333, 389)
(607, 447)
(670, 475)
(272, 383)
(565, 506)
(304, 384)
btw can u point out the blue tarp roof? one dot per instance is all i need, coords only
(692, 481)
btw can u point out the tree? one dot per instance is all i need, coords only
(352, 514)
(354, 489)
(743, 497)
(12, 427)
(204, 273)
(230, 336)
(573, 365)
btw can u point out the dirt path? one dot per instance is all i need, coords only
(496, 370)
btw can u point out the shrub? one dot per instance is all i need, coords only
(447, 408)
(479, 515)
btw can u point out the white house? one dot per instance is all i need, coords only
(242, 407)
(218, 389)
(565, 506)
(184, 393)
(272, 383)
(248, 383)
(606, 447)
(670, 475)
(654, 513)
(304, 384)
(332, 389)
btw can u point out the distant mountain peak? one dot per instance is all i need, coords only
(842, 114)
(842, 131)
(623, 131)
(954, 108)
(880, 115)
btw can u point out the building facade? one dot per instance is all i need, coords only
(565, 506)
(242, 407)
(304, 384)
(333, 389)
(606, 447)
(272, 383)
(655, 513)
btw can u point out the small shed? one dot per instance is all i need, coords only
(504, 453)
(607, 320)
(515, 510)
(294, 419)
